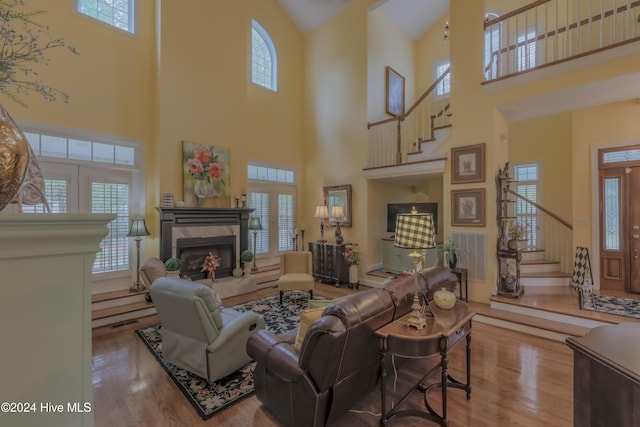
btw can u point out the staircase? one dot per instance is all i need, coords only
(122, 307)
(535, 270)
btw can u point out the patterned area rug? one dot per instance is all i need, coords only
(619, 306)
(209, 399)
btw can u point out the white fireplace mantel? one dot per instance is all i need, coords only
(45, 313)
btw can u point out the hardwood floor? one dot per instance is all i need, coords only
(517, 379)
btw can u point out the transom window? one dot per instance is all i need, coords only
(264, 60)
(117, 13)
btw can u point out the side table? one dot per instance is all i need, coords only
(462, 280)
(440, 336)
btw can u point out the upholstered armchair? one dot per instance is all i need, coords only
(151, 269)
(295, 272)
(197, 333)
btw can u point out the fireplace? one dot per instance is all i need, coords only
(192, 251)
(189, 234)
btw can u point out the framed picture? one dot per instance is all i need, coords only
(394, 92)
(205, 175)
(468, 164)
(339, 195)
(468, 207)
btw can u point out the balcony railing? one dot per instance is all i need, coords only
(547, 32)
(392, 140)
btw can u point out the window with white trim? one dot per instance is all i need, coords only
(272, 193)
(491, 48)
(527, 177)
(117, 13)
(526, 51)
(264, 59)
(86, 176)
(444, 87)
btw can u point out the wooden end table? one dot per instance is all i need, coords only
(440, 336)
(462, 273)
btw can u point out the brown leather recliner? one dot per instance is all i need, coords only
(338, 363)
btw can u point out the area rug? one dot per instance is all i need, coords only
(209, 399)
(619, 306)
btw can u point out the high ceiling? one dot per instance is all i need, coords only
(413, 17)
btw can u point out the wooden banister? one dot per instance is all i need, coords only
(543, 209)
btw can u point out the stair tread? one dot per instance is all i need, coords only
(441, 127)
(538, 261)
(107, 296)
(266, 279)
(545, 274)
(523, 319)
(120, 309)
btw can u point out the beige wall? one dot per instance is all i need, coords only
(548, 141)
(335, 67)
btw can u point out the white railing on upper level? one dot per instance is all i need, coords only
(392, 140)
(547, 32)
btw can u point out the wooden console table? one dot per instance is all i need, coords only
(440, 336)
(606, 376)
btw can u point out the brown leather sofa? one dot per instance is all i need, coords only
(338, 363)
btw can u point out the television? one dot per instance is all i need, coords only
(393, 209)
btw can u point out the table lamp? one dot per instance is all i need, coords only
(255, 226)
(137, 231)
(337, 212)
(322, 212)
(415, 231)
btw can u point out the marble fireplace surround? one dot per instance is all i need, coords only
(187, 223)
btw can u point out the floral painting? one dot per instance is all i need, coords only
(205, 175)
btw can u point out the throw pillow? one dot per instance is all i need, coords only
(307, 317)
(319, 303)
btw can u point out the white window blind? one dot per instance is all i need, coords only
(55, 190)
(526, 52)
(285, 222)
(491, 49)
(117, 13)
(114, 249)
(526, 213)
(444, 87)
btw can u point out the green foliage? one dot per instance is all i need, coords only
(449, 247)
(172, 264)
(21, 45)
(246, 256)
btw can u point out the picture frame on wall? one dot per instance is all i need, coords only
(394, 92)
(468, 207)
(468, 164)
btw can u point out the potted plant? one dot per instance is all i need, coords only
(246, 257)
(448, 253)
(173, 267)
(517, 236)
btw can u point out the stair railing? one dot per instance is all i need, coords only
(548, 32)
(546, 230)
(391, 140)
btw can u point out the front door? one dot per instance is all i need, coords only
(619, 178)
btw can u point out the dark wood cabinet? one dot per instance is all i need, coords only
(329, 264)
(606, 376)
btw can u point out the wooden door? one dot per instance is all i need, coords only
(619, 179)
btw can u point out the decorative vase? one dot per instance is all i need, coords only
(212, 275)
(175, 274)
(237, 272)
(444, 299)
(14, 152)
(353, 274)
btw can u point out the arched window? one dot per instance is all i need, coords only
(264, 60)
